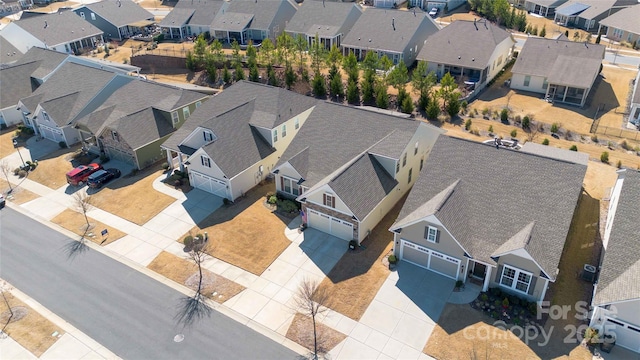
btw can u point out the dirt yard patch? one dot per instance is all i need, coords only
(132, 197)
(51, 171)
(301, 331)
(246, 234)
(215, 287)
(75, 222)
(6, 142)
(362, 272)
(18, 195)
(32, 331)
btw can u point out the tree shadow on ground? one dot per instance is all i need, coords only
(191, 309)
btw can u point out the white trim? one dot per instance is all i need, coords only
(428, 234)
(525, 255)
(515, 278)
(430, 252)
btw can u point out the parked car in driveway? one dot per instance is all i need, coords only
(101, 177)
(2, 201)
(79, 175)
(433, 12)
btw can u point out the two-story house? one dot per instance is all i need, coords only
(118, 19)
(191, 18)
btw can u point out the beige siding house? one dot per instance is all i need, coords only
(623, 26)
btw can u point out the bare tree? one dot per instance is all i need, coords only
(6, 170)
(5, 287)
(194, 307)
(312, 300)
(82, 203)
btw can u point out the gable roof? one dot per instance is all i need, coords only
(49, 60)
(16, 83)
(484, 211)
(324, 18)
(625, 19)
(468, 44)
(58, 28)
(142, 127)
(556, 153)
(383, 36)
(619, 278)
(575, 63)
(256, 14)
(8, 52)
(548, 3)
(119, 12)
(590, 9)
(195, 12)
(178, 16)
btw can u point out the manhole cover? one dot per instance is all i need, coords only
(178, 338)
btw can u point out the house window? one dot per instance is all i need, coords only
(397, 167)
(545, 83)
(415, 148)
(82, 14)
(297, 124)
(186, 113)
(329, 200)
(409, 179)
(208, 136)
(290, 186)
(205, 161)
(93, 16)
(114, 136)
(275, 135)
(174, 117)
(421, 163)
(527, 80)
(45, 116)
(617, 33)
(284, 131)
(431, 234)
(198, 103)
(404, 160)
(515, 279)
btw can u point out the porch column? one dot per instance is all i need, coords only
(466, 271)
(180, 29)
(544, 290)
(487, 278)
(169, 158)
(564, 97)
(584, 97)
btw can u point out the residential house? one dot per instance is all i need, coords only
(244, 20)
(233, 141)
(546, 8)
(8, 7)
(616, 300)
(634, 107)
(564, 71)
(8, 53)
(132, 122)
(623, 26)
(190, 18)
(397, 34)
(117, 19)
(71, 92)
(349, 166)
(63, 31)
(443, 6)
(586, 14)
(16, 83)
(472, 51)
(471, 215)
(329, 20)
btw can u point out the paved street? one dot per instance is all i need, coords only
(121, 308)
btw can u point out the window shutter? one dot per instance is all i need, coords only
(426, 232)
(333, 201)
(498, 274)
(202, 160)
(532, 285)
(204, 134)
(324, 199)
(437, 236)
(281, 183)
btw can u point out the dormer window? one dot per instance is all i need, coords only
(208, 136)
(93, 16)
(198, 103)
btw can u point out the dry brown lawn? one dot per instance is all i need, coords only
(362, 272)
(301, 331)
(6, 144)
(51, 171)
(133, 197)
(54, 6)
(76, 223)
(246, 234)
(32, 331)
(215, 287)
(19, 195)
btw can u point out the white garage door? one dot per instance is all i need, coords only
(119, 155)
(627, 335)
(429, 259)
(51, 133)
(208, 184)
(330, 225)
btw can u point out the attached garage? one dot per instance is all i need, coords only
(331, 225)
(119, 155)
(207, 183)
(627, 335)
(429, 259)
(52, 134)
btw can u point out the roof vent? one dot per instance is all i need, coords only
(369, 40)
(459, 57)
(473, 59)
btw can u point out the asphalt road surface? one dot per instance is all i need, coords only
(124, 310)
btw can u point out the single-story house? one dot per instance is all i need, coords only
(443, 6)
(564, 71)
(63, 31)
(330, 20)
(623, 26)
(118, 19)
(233, 141)
(244, 20)
(134, 120)
(546, 8)
(616, 299)
(190, 18)
(349, 166)
(474, 51)
(397, 34)
(586, 14)
(471, 215)
(634, 113)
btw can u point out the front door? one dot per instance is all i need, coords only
(479, 270)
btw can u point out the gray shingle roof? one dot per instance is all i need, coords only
(143, 127)
(8, 52)
(61, 28)
(49, 60)
(263, 11)
(548, 3)
(16, 83)
(120, 12)
(463, 43)
(372, 181)
(492, 203)
(177, 17)
(555, 153)
(594, 8)
(620, 272)
(575, 62)
(382, 34)
(625, 19)
(322, 17)
(203, 11)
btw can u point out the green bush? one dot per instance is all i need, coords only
(392, 259)
(619, 164)
(604, 157)
(273, 200)
(188, 241)
(554, 127)
(505, 303)
(62, 144)
(467, 124)
(459, 284)
(514, 133)
(286, 205)
(490, 129)
(573, 148)
(165, 165)
(158, 38)
(504, 115)
(526, 122)
(484, 297)
(533, 308)
(545, 141)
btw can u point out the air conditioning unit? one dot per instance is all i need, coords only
(589, 273)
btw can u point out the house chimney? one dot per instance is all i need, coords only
(393, 23)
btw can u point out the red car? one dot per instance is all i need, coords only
(79, 175)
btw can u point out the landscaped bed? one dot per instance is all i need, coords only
(76, 223)
(301, 331)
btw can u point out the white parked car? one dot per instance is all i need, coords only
(433, 12)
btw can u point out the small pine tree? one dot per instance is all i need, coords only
(604, 157)
(335, 86)
(271, 76)
(319, 86)
(554, 127)
(514, 133)
(534, 30)
(526, 122)
(353, 93)
(239, 72)
(382, 97)
(619, 164)
(467, 124)
(254, 75)
(598, 38)
(543, 32)
(433, 110)
(290, 76)
(573, 148)
(504, 116)
(407, 105)
(226, 75)
(490, 129)
(545, 141)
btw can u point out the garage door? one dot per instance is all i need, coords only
(429, 259)
(331, 225)
(208, 184)
(627, 335)
(51, 133)
(119, 155)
